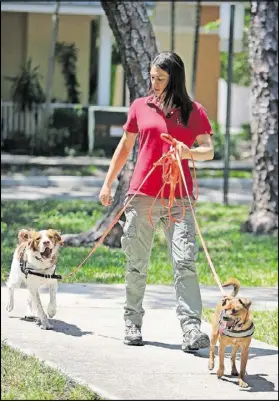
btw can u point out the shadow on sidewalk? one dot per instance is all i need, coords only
(257, 383)
(203, 353)
(69, 329)
(162, 345)
(60, 327)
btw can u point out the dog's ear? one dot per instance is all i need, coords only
(246, 303)
(58, 238)
(224, 300)
(23, 235)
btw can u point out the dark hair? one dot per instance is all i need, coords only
(175, 91)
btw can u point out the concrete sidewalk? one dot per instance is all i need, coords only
(77, 182)
(20, 187)
(70, 161)
(87, 344)
(92, 194)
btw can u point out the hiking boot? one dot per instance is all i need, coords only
(133, 335)
(194, 340)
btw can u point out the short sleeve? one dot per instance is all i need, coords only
(201, 123)
(131, 123)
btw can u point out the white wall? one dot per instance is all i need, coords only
(240, 104)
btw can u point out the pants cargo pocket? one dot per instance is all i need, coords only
(129, 231)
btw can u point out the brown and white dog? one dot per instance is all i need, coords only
(36, 253)
(232, 325)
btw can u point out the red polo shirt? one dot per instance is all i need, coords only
(148, 120)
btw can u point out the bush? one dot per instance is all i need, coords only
(219, 143)
(68, 131)
(246, 133)
(17, 143)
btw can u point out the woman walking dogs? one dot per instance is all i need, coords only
(167, 109)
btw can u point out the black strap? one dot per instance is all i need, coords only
(26, 271)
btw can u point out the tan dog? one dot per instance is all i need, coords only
(232, 325)
(34, 262)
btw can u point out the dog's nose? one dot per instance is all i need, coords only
(46, 243)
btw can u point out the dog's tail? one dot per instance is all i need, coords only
(235, 283)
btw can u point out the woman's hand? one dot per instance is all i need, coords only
(183, 150)
(104, 196)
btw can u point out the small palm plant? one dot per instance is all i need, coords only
(26, 89)
(27, 94)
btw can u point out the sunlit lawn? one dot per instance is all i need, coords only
(252, 259)
(26, 378)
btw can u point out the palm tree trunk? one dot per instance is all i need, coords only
(263, 217)
(135, 39)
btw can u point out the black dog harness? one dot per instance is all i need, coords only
(27, 270)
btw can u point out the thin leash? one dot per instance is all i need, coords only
(173, 142)
(172, 178)
(119, 214)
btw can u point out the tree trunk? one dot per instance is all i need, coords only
(135, 39)
(263, 43)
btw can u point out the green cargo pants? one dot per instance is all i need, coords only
(137, 241)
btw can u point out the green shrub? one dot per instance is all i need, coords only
(68, 131)
(219, 143)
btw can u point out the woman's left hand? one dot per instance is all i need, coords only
(183, 150)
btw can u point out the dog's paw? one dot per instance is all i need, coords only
(46, 326)
(243, 384)
(220, 373)
(51, 311)
(10, 306)
(211, 364)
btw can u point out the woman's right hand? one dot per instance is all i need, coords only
(104, 196)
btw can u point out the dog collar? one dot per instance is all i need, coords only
(239, 333)
(27, 270)
(223, 330)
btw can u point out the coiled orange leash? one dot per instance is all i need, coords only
(168, 138)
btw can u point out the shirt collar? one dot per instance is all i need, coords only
(151, 101)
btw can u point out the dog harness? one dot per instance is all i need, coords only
(230, 332)
(27, 270)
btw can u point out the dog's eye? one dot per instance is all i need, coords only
(234, 311)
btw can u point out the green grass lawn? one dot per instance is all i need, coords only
(252, 259)
(26, 378)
